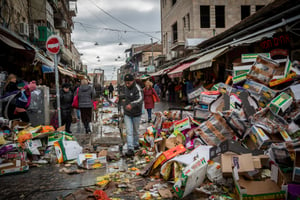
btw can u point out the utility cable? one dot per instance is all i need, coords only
(131, 27)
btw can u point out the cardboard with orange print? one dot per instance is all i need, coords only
(169, 154)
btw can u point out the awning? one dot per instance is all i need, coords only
(253, 39)
(66, 72)
(14, 49)
(11, 43)
(47, 69)
(177, 72)
(44, 59)
(206, 60)
(158, 73)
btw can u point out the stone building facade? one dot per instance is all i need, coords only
(183, 19)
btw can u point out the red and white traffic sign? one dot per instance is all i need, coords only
(53, 44)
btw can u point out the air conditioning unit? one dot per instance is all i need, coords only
(34, 31)
(23, 29)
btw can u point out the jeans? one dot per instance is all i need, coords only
(78, 113)
(149, 111)
(132, 129)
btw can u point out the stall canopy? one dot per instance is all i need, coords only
(47, 69)
(12, 47)
(158, 73)
(66, 72)
(177, 72)
(206, 60)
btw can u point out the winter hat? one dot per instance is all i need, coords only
(66, 85)
(128, 77)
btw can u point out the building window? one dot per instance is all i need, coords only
(186, 22)
(257, 7)
(245, 12)
(175, 32)
(220, 16)
(164, 3)
(204, 16)
(173, 2)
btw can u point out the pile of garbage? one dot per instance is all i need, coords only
(243, 138)
(23, 146)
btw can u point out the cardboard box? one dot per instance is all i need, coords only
(91, 161)
(182, 124)
(241, 70)
(263, 70)
(57, 136)
(14, 166)
(192, 176)
(169, 154)
(239, 78)
(281, 103)
(201, 151)
(251, 57)
(259, 89)
(244, 163)
(67, 150)
(259, 137)
(270, 188)
(33, 145)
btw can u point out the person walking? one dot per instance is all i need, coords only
(111, 91)
(132, 105)
(149, 96)
(66, 99)
(157, 88)
(23, 100)
(85, 95)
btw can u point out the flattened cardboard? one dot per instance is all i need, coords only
(15, 166)
(192, 177)
(244, 163)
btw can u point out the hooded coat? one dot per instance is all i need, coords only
(85, 95)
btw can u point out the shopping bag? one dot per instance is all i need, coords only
(75, 103)
(154, 96)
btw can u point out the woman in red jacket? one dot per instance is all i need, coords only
(150, 97)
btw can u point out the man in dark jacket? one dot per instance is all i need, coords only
(111, 90)
(66, 99)
(133, 101)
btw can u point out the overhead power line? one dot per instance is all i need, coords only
(131, 27)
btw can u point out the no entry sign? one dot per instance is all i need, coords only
(53, 44)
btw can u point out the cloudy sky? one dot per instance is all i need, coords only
(109, 23)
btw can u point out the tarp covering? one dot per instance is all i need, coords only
(206, 60)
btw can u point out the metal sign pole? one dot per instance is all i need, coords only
(57, 90)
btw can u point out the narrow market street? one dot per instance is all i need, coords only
(149, 100)
(50, 181)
